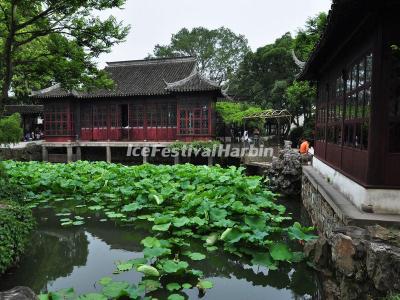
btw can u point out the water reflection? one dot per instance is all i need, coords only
(78, 257)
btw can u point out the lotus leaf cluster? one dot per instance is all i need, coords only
(221, 207)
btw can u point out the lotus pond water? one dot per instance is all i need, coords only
(168, 232)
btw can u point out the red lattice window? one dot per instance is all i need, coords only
(136, 113)
(100, 116)
(59, 120)
(86, 117)
(194, 119)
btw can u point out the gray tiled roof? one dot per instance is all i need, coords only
(193, 83)
(144, 78)
(23, 109)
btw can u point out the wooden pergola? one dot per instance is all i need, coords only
(272, 114)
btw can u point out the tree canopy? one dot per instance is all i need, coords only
(218, 51)
(234, 113)
(48, 41)
(257, 74)
(307, 37)
(267, 76)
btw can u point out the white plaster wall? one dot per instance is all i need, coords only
(382, 201)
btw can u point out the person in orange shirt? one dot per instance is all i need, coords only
(304, 147)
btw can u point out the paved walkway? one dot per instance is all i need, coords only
(20, 145)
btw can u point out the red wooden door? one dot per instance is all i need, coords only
(136, 122)
(86, 122)
(115, 129)
(100, 122)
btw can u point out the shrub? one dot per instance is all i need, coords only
(203, 145)
(10, 191)
(10, 129)
(393, 297)
(16, 223)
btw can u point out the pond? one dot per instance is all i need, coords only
(63, 257)
(169, 232)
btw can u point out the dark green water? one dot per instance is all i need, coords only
(61, 257)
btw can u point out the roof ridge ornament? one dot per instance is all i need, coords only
(297, 61)
(46, 90)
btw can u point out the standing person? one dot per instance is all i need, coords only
(304, 146)
(256, 136)
(245, 138)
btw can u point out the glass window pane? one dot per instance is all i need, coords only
(369, 68)
(361, 72)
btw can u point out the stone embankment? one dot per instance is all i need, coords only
(27, 152)
(358, 263)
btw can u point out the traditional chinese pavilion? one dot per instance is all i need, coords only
(356, 66)
(153, 100)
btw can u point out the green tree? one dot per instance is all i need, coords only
(219, 51)
(267, 76)
(54, 41)
(257, 75)
(308, 37)
(299, 100)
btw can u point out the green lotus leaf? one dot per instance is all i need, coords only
(256, 222)
(161, 227)
(131, 207)
(148, 271)
(205, 284)
(151, 242)
(280, 252)
(297, 232)
(78, 223)
(194, 255)
(171, 266)
(198, 221)
(233, 235)
(264, 259)
(180, 222)
(95, 207)
(150, 285)
(64, 294)
(105, 280)
(156, 252)
(158, 198)
(176, 297)
(124, 267)
(173, 286)
(217, 214)
(92, 296)
(211, 239)
(115, 289)
(197, 273)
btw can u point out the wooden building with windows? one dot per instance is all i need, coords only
(153, 100)
(356, 66)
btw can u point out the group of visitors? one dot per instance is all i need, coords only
(33, 135)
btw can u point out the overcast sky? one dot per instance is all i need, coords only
(261, 21)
